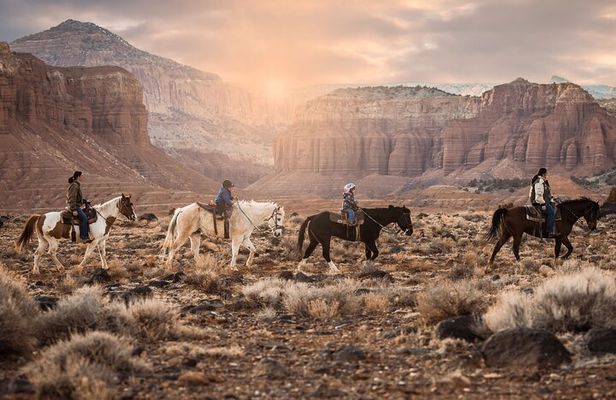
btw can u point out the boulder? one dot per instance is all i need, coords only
(524, 347)
(601, 340)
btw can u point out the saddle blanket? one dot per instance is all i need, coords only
(535, 214)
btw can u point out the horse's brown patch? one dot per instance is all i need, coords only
(60, 231)
(39, 224)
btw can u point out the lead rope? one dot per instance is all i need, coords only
(251, 223)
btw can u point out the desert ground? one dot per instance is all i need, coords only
(203, 330)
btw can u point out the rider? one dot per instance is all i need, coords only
(224, 203)
(541, 197)
(349, 205)
(74, 200)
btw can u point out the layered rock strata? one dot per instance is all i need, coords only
(384, 130)
(535, 125)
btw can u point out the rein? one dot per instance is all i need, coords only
(274, 215)
(377, 222)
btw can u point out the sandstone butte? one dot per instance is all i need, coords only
(54, 120)
(401, 131)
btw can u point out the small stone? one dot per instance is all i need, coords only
(601, 340)
(465, 327)
(100, 275)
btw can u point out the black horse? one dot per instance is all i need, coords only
(321, 229)
(512, 222)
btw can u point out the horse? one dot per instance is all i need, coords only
(50, 230)
(321, 229)
(512, 222)
(192, 220)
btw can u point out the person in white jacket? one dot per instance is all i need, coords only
(541, 196)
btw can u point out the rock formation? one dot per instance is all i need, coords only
(189, 109)
(384, 130)
(535, 125)
(54, 120)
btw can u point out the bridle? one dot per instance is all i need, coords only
(275, 214)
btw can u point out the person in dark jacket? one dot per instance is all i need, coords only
(74, 201)
(224, 203)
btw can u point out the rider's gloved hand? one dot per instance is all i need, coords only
(543, 208)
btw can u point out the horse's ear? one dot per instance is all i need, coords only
(390, 206)
(122, 194)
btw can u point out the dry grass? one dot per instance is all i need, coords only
(155, 320)
(17, 313)
(450, 299)
(83, 311)
(83, 367)
(574, 301)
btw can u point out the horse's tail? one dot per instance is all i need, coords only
(171, 230)
(302, 235)
(497, 221)
(26, 235)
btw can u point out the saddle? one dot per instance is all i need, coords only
(217, 215)
(343, 218)
(69, 219)
(535, 214)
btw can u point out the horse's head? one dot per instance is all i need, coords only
(592, 214)
(404, 219)
(276, 221)
(126, 207)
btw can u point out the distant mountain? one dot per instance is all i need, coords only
(189, 109)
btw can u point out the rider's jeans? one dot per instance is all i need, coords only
(549, 210)
(351, 216)
(83, 224)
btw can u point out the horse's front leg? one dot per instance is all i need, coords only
(89, 250)
(251, 247)
(102, 251)
(375, 250)
(333, 269)
(557, 246)
(235, 248)
(568, 245)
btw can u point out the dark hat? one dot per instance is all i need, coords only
(542, 171)
(227, 184)
(76, 174)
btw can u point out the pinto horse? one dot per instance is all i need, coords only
(192, 220)
(508, 222)
(321, 229)
(50, 230)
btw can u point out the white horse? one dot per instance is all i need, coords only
(50, 230)
(192, 220)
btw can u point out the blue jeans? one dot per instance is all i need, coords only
(350, 215)
(83, 224)
(549, 220)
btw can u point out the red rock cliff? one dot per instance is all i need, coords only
(535, 125)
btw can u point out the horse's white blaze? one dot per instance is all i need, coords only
(246, 215)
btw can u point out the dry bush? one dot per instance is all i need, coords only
(204, 280)
(155, 320)
(376, 303)
(340, 296)
(83, 311)
(451, 299)
(17, 313)
(224, 352)
(267, 314)
(266, 292)
(575, 301)
(83, 367)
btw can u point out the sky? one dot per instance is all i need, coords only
(286, 44)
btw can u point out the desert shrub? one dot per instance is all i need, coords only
(83, 311)
(83, 367)
(17, 313)
(154, 320)
(339, 298)
(575, 301)
(450, 299)
(205, 280)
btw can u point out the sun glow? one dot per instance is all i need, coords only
(274, 89)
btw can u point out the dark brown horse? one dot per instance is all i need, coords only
(508, 222)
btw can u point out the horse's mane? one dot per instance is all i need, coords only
(254, 202)
(577, 201)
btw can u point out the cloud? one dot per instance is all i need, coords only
(360, 41)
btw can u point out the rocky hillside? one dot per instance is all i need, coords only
(189, 109)
(384, 130)
(54, 120)
(554, 125)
